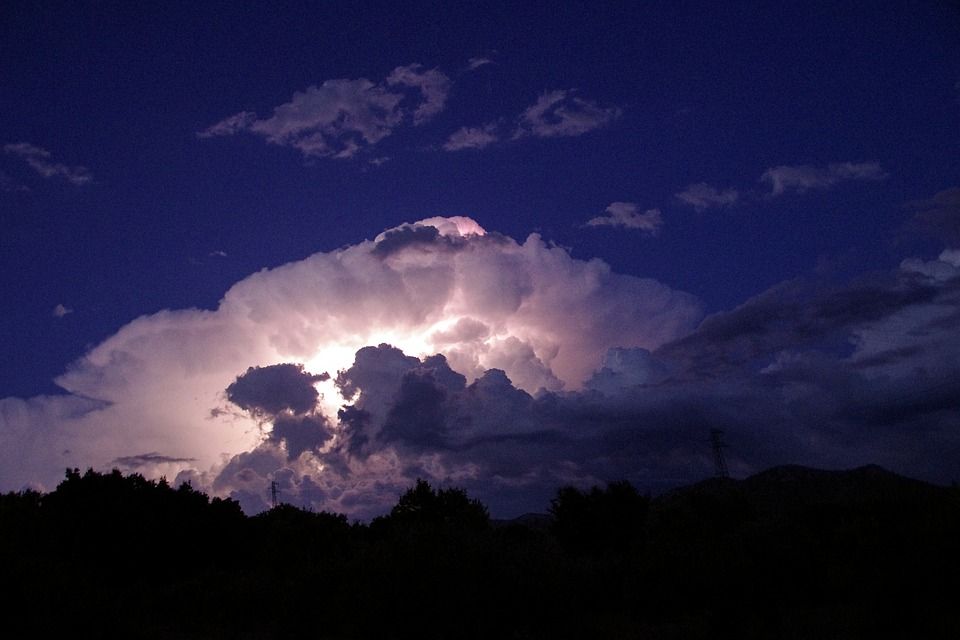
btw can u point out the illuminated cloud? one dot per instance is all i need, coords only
(164, 382)
(463, 356)
(561, 114)
(341, 117)
(471, 138)
(800, 178)
(628, 216)
(702, 196)
(39, 160)
(764, 373)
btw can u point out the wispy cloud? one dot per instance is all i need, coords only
(561, 114)
(702, 196)
(800, 178)
(341, 117)
(434, 86)
(39, 159)
(627, 215)
(471, 138)
(477, 62)
(228, 126)
(59, 311)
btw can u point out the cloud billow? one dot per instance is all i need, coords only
(276, 388)
(506, 367)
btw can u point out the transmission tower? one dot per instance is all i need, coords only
(716, 439)
(273, 493)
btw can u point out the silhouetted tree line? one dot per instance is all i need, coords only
(790, 553)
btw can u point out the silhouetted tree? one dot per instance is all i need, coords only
(422, 506)
(600, 520)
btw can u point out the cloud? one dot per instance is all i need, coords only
(825, 375)
(627, 215)
(939, 216)
(479, 61)
(39, 160)
(702, 196)
(274, 389)
(801, 178)
(228, 126)
(509, 368)
(213, 385)
(148, 459)
(341, 117)
(561, 114)
(471, 138)
(433, 85)
(59, 311)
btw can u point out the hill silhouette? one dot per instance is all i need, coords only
(790, 552)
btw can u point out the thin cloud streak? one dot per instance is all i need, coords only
(702, 196)
(801, 178)
(39, 159)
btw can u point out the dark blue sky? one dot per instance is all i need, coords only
(800, 132)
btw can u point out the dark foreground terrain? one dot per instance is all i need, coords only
(789, 553)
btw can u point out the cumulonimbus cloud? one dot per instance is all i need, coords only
(441, 351)
(162, 383)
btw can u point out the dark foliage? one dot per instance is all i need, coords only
(600, 520)
(791, 552)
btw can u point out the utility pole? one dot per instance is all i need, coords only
(716, 439)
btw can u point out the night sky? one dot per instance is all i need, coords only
(621, 224)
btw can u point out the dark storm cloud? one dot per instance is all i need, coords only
(376, 370)
(300, 433)
(794, 314)
(776, 375)
(145, 459)
(280, 387)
